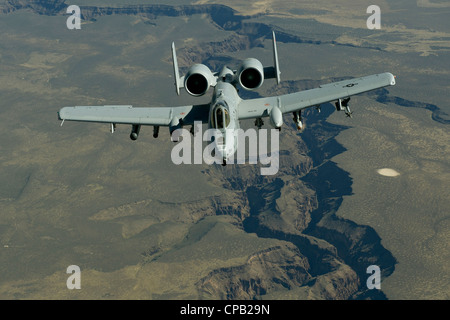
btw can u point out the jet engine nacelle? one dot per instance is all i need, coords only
(251, 74)
(198, 79)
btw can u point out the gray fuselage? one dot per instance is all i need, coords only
(223, 115)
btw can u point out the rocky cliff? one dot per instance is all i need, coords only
(298, 206)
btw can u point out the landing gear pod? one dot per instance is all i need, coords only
(276, 118)
(251, 74)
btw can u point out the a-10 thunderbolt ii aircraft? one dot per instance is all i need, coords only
(227, 108)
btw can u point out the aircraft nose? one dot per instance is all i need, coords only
(222, 154)
(224, 148)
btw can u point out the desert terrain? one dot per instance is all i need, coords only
(350, 193)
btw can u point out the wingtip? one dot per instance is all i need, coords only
(60, 114)
(60, 118)
(392, 79)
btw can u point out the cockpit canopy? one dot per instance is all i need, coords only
(220, 117)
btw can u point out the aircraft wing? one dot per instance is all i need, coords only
(261, 107)
(122, 114)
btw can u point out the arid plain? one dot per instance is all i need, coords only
(141, 227)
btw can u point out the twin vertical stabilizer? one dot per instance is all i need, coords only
(273, 72)
(178, 84)
(200, 80)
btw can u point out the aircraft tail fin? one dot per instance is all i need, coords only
(176, 72)
(274, 71)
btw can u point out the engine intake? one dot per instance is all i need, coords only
(198, 79)
(251, 74)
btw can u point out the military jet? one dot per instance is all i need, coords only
(227, 109)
